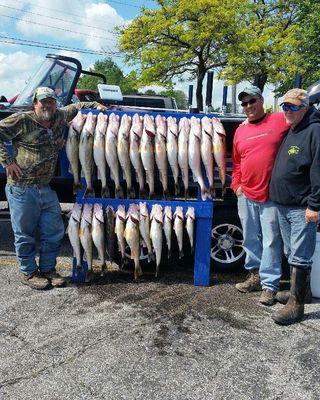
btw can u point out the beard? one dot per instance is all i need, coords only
(45, 115)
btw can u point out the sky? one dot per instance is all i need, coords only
(77, 24)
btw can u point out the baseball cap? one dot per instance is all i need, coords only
(249, 91)
(42, 93)
(298, 97)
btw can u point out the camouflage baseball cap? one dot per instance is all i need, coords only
(249, 91)
(42, 93)
(298, 97)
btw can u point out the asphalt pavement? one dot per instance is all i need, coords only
(157, 339)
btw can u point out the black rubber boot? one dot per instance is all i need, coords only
(283, 296)
(293, 311)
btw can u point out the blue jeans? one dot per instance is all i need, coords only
(34, 207)
(262, 240)
(299, 237)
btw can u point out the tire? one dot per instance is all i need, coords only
(227, 253)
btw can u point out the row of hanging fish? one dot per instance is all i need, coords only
(90, 225)
(139, 143)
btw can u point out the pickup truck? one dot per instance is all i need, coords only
(62, 74)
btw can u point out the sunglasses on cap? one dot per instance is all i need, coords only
(291, 107)
(245, 103)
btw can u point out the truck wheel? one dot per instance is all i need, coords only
(227, 253)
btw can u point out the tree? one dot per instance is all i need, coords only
(114, 75)
(178, 39)
(268, 49)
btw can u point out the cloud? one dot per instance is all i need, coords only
(15, 70)
(82, 26)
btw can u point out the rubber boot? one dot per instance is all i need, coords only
(283, 297)
(293, 311)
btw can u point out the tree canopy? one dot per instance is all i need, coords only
(256, 40)
(178, 39)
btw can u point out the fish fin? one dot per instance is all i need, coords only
(105, 192)
(151, 257)
(89, 193)
(70, 170)
(119, 193)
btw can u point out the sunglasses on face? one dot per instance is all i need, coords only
(291, 107)
(245, 103)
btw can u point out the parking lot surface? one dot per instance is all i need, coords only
(156, 339)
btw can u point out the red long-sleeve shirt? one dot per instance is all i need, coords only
(255, 147)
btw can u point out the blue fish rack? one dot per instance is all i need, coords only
(203, 214)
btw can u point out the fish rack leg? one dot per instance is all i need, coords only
(202, 251)
(79, 276)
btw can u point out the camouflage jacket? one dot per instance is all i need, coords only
(35, 147)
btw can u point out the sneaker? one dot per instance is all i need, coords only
(35, 281)
(251, 284)
(267, 297)
(54, 278)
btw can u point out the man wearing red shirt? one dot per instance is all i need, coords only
(255, 147)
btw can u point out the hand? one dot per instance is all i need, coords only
(239, 191)
(13, 171)
(311, 216)
(102, 108)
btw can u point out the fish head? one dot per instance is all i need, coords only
(218, 127)
(143, 209)
(113, 126)
(190, 213)
(90, 124)
(102, 122)
(156, 213)
(133, 213)
(78, 122)
(178, 213)
(136, 127)
(148, 125)
(109, 211)
(87, 212)
(121, 212)
(76, 211)
(195, 127)
(125, 125)
(168, 212)
(207, 126)
(98, 211)
(172, 126)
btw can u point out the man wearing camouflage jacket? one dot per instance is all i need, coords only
(36, 136)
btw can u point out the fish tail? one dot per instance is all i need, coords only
(186, 193)
(119, 193)
(176, 189)
(223, 190)
(76, 187)
(137, 272)
(131, 193)
(181, 254)
(89, 192)
(151, 257)
(166, 194)
(142, 193)
(169, 253)
(212, 192)
(105, 192)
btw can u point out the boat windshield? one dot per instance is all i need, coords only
(53, 73)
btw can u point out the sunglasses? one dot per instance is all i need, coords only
(291, 107)
(245, 103)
